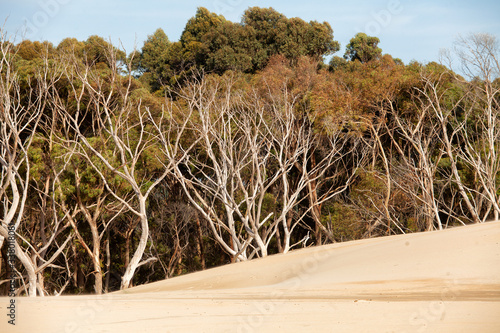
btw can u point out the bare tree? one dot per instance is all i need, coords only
(419, 154)
(480, 130)
(20, 114)
(239, 174)
(229, 169)
(124, 133)
(325, 163)
(384, 214)
(467, 114)
(98, 213)
(445, 114)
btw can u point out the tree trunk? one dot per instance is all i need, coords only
(96, 258)
(97, 274)
(108, 263)
(278, 240)
(201, 252)
(139, 252)
(30, 270)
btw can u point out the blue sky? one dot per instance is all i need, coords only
(410, 30)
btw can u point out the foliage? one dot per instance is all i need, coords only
(235, 119)
(363, 48)
(210, 43)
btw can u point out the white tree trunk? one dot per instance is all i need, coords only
(139, 252)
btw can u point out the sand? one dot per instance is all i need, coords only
(441, 281)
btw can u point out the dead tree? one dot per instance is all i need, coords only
(480, 129)
(320, 159)
(124, 132)
(245, 148)
(20, 114)
(418, 159)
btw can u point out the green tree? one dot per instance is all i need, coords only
(337, 63)
(363, 48)
(29, 50)
(320, 40)
(232, 46)
(70, 45)
(291, 37)
(96, 51)
(211, 43)
(155, 59)
(268, 25)
(194, 50)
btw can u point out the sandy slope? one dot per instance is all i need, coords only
(443, 281)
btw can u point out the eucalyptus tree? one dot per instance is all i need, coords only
(471, 123)
(363, 48)
(122, 146)
(22, 105)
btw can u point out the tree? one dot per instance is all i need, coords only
(378, 93)
(231, 46)
(122, 142)
(20, 115)
(363, 48)
(314, 167)
(475, 124)
(333, 152)
(337, 63)
(154, 59)
(84, 197)
(291, 37)
(29, 50)
(71, 45)
(191, 39)
(212, 43)
(480, 58)
(442, 99)
(96, 51)
(268, 25)
(419, 161)
(230, 169)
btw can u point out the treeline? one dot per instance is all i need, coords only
(236, 142)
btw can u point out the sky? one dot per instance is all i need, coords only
(409, 30)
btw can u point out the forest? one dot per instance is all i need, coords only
(239, 141)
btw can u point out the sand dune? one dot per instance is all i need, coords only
(442, 281)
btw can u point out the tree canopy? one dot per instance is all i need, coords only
(363, 48)
(211, 43)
